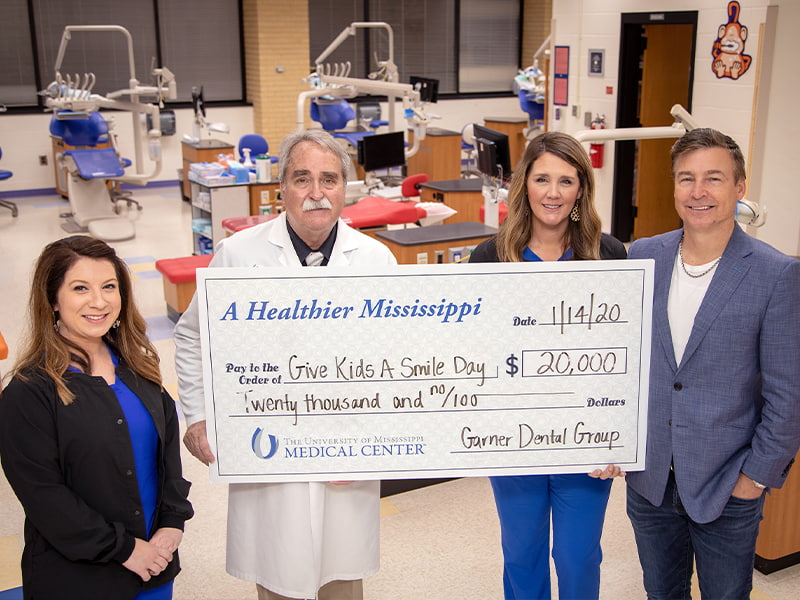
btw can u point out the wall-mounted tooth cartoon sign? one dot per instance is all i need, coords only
(728, 50)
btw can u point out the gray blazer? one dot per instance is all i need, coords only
(733, 403)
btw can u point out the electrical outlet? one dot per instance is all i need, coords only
(575, 110)
(43, 160)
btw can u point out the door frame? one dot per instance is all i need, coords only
(629, 81)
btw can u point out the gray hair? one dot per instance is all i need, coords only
(316, 136)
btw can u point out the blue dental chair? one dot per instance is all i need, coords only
(535, 111)
(334, 115)
(7, 204)
(92, 203)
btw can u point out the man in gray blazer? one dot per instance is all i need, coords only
(724, 412)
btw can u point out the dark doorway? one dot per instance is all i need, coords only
(656, 71)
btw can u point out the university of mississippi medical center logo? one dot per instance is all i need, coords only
(264, 445)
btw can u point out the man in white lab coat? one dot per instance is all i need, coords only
(294, 540)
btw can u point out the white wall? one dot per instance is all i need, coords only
(723, 104)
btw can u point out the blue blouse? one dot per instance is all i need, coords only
(531, 256)
(144, 439)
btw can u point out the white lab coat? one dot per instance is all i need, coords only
(291, 538)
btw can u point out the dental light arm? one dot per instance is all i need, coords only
(334, 80)
(747, 212)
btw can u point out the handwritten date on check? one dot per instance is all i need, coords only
(418, 371)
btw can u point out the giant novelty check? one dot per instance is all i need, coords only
(421, 371)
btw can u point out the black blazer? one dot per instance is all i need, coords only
(73, 470)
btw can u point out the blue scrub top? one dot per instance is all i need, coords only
(531, 256)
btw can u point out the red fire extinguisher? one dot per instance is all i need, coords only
(596, 148)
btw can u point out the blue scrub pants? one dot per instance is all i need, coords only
(578, 506)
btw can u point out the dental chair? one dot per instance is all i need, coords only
(334, 115)
(92, 203)
(368, 113)
(5, 203)
(535, 111)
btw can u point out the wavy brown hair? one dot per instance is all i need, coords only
(47, 350)
(516, 231)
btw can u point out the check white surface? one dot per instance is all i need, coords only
(426, 370)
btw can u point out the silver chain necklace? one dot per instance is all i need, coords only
(685, 270)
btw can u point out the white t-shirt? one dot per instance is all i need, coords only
(685, 296)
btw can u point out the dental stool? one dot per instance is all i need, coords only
(92, 203)
(180, 281)
(3, 176)
(256, 144)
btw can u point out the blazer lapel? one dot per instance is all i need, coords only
(729, 274)
(665, 261)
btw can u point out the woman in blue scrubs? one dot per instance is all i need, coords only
(89, 438)
(551, 216)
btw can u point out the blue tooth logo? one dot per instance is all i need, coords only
(258, 446)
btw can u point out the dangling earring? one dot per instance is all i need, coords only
(574, 214)
(55, 322)
(116, 324)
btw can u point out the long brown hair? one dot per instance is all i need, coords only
(516, 231)
(49, 351)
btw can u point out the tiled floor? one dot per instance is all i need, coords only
(438, 543)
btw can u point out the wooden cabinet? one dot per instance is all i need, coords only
(211, 204)
(778, 544)
(462, 195)
(202, 151)
(435, 244)
(265, 198)
(439, 155)
(514, 128)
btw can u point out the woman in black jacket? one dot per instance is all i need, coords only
(551, 216)
(89, 438)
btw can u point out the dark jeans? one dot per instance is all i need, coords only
(668, 541)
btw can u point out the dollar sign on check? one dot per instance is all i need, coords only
(512, 369)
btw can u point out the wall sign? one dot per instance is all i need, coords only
(561, 76)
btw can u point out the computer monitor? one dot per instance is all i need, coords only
(428, 88)
(494, 154)
(382, 151)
